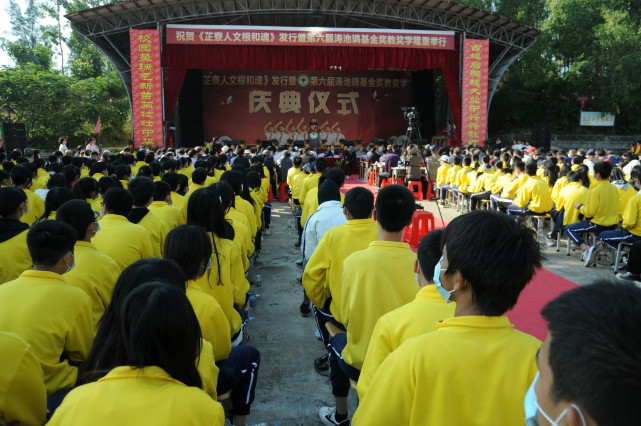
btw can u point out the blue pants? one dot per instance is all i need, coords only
(238, 373)
(613, 238)
(521, 211)
(339, 371)
(575, 230)
(323, 316)
(443, 190)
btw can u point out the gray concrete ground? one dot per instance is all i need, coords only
(289, 391)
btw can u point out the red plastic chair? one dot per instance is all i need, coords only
(422, 224)
(391, 181)
(282, 192)
(270, 196)
(416, 186)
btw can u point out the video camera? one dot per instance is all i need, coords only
(410, 113)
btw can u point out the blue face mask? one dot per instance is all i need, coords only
(531, 406)
(73, 263)
(208, 267)
(97, 226)
(437, 282)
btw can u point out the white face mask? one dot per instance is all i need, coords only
(531, 405)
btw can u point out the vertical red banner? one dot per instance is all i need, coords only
(476, 55)
(146, 89)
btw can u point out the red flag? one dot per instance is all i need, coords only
(97, 128)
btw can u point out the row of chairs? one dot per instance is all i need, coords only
(415, 186)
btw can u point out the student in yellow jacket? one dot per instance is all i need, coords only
(601, 211)
(631, 225)
(414, 319)
(196, 181)
(21, 177)
(94, 272)
(177, 200)
(477, 351)
(118, 238)
(572, 194)
(533, 197)
(387, 266)
(508, 192)
(88, 189)
(626, 190)
(319, 167)
(161, 207)
(22, 387)
(190, 248)
(441, 172)
(152, 380)
(15, 257)
(42, 293)
(142, 190)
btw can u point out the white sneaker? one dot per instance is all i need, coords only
(267, 231)
(328, 417)
(588, 256)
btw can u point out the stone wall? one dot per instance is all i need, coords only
(616, 143)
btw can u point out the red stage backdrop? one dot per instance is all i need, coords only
(251, 105)
(146, 87)
(474, 106)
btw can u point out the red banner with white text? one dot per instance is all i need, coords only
(146, 89)
(272, 105)
(475, 86)
(308, 36)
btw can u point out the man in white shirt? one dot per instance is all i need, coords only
(91, 146)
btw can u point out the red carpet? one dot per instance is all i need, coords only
(544, 287)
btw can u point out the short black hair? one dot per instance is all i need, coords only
(97, 168)
(359, 202)
(162, 191)
(198, 176)
(78, 214)
(328, 191)
(118, 201)
(21, 175)
(297, 161)
(142, 189)
(495, 254)
(10, 200)
(429, 253)
(122, 171)
(595, 350)
(457, 160)
(531, 168)
(49, 241)
(395, 206)
(604, 168)
(321, 164)
(172, 179)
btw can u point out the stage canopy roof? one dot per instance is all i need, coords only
(108, 26)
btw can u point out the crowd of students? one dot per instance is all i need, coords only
(123, 295)
(584, 192)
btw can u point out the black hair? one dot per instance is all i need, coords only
(603, 168)
(122, 171)
(395, 207)
(97, 167)
(297, 161)
(161, 191)
(328, 191)
(138, 323)
(72, 173)
(584, 174)
(85, 188)
(334, 174)
(574, 176)
(107, 182)
(184, 184)
(78, 214)
(321, 164)
(467, 161)
(253, 179)
(172, 179)
(237, 180)
(429, 253)
(142, 190)
(495, 254)
(519, 165)
(156, 168)
(359, 202)
(49, 241)
(565, 169)
(199, 176)
(21, 175)
(190, 247)
(226, 194)
(10, 200)
(118, 201)
(457, 160)
(595, 350)
(4, 177)
(145, 171)
(55, 198)
(57, 180)
(530, 168)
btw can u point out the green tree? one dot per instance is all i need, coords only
(29, 46)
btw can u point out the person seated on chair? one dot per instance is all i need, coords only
(386, 265)
(631, 225)
(441, 172)
(533, 198)
(418, 317)
(601, 211)
(483, 182)
(477, 351)
(566, 213)
(322, 278)
(589, 364)
(504, 199)
(450, 177)
(388, 161)
(461, 180)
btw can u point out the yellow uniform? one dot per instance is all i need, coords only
(23, 397)
(35, 205)
(481, 356)
(259, 202)
(414, 319)
(187, 171)
(309, 183)
(535, 195)
(602, 206)
(180, 201)
(213, 323)
(96, 274)
(625, 194)
(146, 396)
(632, 216)
(157, 230)
(123, 241)
(462, 180)
(20, 259)
(510, 189)
(171, 215)
(96, 206)
(290, 175)
(441, 173)
(323, 273)
(246, 208)
(192, 188)
(54, 318)
(573, 193)
(476, 181)
(499, 183)
(451, 174)
(297, 184)
(558, 186)
(376, 280)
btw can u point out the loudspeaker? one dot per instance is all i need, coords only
(15, 136)
(542, 135)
